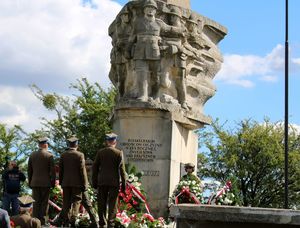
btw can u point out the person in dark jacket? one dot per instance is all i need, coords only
(108, 169)
(12, 179)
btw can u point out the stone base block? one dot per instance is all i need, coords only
(157, 145)
(208, 216)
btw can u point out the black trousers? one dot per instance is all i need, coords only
(107, 195)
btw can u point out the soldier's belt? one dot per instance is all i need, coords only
(150, 38)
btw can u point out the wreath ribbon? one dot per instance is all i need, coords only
(186, 191)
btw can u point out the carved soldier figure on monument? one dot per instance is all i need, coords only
(180, 50)
(123, 31)
(145, 48)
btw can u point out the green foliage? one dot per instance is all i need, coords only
(13, 146)
(86, 114)
(252, 156)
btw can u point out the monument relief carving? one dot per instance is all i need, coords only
(164, 57)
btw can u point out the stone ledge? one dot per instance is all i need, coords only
(230, 214)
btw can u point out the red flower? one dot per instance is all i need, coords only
(134, 202)
(12, 224)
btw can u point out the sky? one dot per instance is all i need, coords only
(51, 43)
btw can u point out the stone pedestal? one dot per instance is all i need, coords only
(209, 216)
(156, 144)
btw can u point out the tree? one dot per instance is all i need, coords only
(13, 146)
(86, 115)
(252, 157)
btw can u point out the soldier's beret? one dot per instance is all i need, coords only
(72, 139)
(111, 136)
(26, 201)
(189, 165)
(42, 140)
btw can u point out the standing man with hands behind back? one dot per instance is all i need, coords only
(73, 179)
(108, 168)
(41, 177)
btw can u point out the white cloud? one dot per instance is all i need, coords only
(19, 106)
(50, 43)
(53, 42)
(243, 70)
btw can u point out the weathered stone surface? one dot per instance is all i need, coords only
(188, 215)
(165, 55)
(182, 3)
(156, 144)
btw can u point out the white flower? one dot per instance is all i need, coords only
(227, 201)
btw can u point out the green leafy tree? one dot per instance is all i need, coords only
(86, 114)
(13, 146)
(252, 157)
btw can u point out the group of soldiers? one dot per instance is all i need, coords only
(108, 171)
(146, 40)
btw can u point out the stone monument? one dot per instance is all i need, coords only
(163, 61)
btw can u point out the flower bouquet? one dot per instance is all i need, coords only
(222, 196)
(187, 191)
(133, 208)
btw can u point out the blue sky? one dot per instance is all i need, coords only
(52, 43)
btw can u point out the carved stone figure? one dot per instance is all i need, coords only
(120, 32)
(145, 48)
(164, 57)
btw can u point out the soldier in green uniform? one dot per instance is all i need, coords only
(41, 177)
(190, 168)
(108, 168)
(73, 179)
(24, 219)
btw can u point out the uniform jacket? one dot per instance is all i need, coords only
(24, 220)
(41, 172)
(108, 168)
(147, 37)
(72, 172)
(11, 179)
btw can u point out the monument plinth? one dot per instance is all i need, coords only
(163, 61)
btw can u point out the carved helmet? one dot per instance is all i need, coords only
(150, 3)
(193, 19)
(124, 11)
(175, 11)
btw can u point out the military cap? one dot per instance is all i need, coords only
(111, 136)
(189, 165)
(26, 201)
(175, 11)
(42, 140)
(150, 3)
